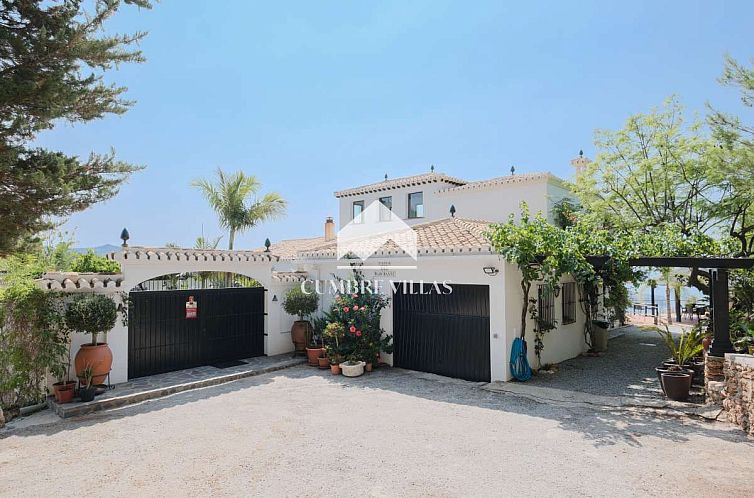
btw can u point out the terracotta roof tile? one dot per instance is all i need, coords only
(446, 236)
(288, 249)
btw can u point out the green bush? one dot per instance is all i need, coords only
(91, 263)
(299, 303)
(33, 341)
(92, 314)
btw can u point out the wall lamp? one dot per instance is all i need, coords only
(490, 270)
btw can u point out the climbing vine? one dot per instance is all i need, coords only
(544, 253)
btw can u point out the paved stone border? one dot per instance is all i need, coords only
(76, 409)
(562, 397)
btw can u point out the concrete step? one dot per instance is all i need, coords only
(174, 382)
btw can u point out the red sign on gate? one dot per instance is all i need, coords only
(191, 308)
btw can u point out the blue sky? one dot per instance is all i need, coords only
(312, 97)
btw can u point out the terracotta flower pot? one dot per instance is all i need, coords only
(676, 385)
(300, 334)
(323, 361)
(334, 369)
(65, 395)
(58, 386)
(313, 354)
(100, 357)
(368, 367)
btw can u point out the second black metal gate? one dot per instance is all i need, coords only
(229, 325)
(443, 334)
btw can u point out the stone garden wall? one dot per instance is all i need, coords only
(739, 384)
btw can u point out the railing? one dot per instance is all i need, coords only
(645, 309)
(201, 280)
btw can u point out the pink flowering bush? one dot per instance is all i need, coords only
(359, 315)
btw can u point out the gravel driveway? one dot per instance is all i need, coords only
(627, 368)
(300, 432)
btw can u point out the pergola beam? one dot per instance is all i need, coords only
(718, 267)
(680, 262)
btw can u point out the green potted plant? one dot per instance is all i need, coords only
(87, 390)
(301, 304)
(333, 333)
(63, 390)
(93, 314)
(676, 378)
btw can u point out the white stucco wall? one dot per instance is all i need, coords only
(560, 344)
(457, 269)
(400, 202)
(494, 203)
(491, 202)
(136, 270)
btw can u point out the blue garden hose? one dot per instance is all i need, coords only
(520, 368)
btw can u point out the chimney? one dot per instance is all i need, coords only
(580, 163)
(329, 229)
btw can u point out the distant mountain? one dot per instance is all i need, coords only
(99, 250)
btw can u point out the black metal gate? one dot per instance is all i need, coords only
(229, 326)
(443, 334)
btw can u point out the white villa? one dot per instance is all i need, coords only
(467, 334)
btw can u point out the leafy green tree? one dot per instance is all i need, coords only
(53, 57)
(654, 171)
(92, 263)
(234, 199)
(734, 159)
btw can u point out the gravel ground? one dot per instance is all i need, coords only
(301, 432)
(626, 369)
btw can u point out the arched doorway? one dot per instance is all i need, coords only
(179, 321)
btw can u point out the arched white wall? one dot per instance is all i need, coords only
(150, 264)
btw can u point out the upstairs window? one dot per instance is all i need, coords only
(569, 303)
(386, 208)
(416, 205)
(358, 210)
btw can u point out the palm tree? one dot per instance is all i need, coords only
(228, 197)
(206, 243)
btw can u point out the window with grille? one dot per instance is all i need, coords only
(569, 302)
(545, 307)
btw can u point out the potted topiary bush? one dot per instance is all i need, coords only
(299, 303)
(93, 314)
